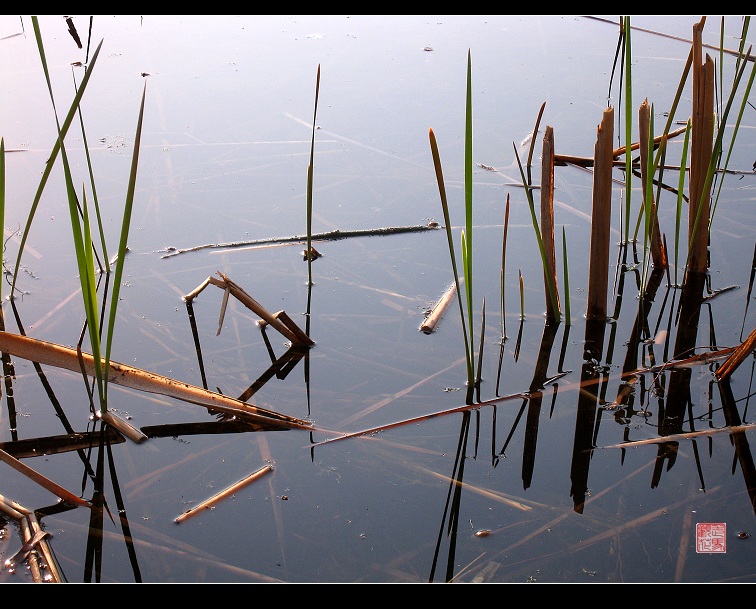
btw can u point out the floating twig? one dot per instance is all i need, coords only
(681, 436)
(430, 323)
(210, 503)
(44, 482)
(333, 235)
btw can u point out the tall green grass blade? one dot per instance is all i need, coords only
(736, 128)
(549, 277)
(95, 202)
(468, 248)
(566, 280)
(53, 155)
(680, 190)
(450, 239)
(522, 296)
(466, 267)
(670, 118)
(123, 241)
(717, 149)
(503, 271)
(80, 235)
(309, 187)
(628, 82)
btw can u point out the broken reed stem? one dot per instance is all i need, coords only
(63, 357)
(44, 482)
(736, 357)
(598, 272)
(584, 161)
(547, 225)
(430, 323)
(297, 337)
(658, 255)
(49, 563)
(210, 503)
(701, 138)
(132, 433)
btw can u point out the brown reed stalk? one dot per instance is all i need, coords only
(702, 136)
(598, 269)
(547, 225)
(224, 494)
(658, 255)
(430, 323)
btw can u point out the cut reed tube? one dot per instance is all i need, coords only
(209, 503)
(430, 323)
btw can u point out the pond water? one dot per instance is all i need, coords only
(526, 482)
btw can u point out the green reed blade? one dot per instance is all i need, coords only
(743, 104)
(309, 187)
(680, 190)
(95, 201)
(56, 147)
(531, 204)
(522, 296)
(80, 238)
(467, 250)
(123, 242)
(503, 270)
(628, 122)
(449, 238)
(566, 279)
(717, 149)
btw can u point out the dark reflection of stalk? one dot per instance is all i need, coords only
(453, 500)
(586, 411)
(519, 342)
(308, 317)
(122, 519)
(503, 450)
(540, 377)
(501, 365)
(195, 336)
(9, 374)
(739, 440)
(687, 331)
(750, 288)
(639, 332)
(93, 555)
(51, 394)
(678, 395)
(280, 368)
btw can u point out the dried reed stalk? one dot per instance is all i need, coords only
(132, 433)
(658, 254)
(598, 270)
(430, 323)
(209, 503)
(547, 224)
(701, 138)
(63, 357)
(44, 482)
(736, 357)
(289, 329)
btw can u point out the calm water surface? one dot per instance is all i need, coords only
(528, 486)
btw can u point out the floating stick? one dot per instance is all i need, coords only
(430, 323)
(210, 503)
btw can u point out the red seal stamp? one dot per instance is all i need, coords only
(711, 537)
